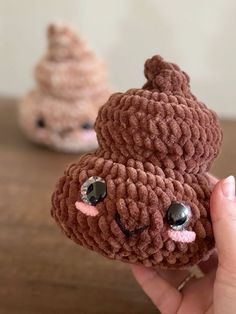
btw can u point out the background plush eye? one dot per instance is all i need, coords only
(87, 126)
(40, 123)
(178, 216)
(93, 190)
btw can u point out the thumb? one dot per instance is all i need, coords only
(223, 215)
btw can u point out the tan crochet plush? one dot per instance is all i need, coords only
(71, 86)
(143, 196)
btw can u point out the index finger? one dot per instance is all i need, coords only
(165, 297)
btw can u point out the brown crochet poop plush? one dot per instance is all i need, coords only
(143, 196)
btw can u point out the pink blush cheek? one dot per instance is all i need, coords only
(86, 209)
(88, 135)
(42, 134)
(183, 236)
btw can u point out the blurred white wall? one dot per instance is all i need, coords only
(198, 35)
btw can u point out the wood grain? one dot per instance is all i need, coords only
(41, 271)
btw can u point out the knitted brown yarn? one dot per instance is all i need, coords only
(156, 144)
(166, 77)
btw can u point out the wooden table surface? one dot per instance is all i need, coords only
(41, 271)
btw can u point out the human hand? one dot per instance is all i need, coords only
(215, 292)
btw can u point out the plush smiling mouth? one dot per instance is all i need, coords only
(85, 135)
(65, 132)
(128, 233)
(183, 236)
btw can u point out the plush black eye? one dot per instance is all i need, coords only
(178, 216)
(87, 126)
(93, 190)
(40, 123)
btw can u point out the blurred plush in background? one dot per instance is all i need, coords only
(72, 84)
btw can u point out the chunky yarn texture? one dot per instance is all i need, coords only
(71, 86)
(156, 145)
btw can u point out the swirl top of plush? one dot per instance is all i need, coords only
(70, 69)
(71, 85)
(143, 196)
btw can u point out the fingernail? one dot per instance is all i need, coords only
(228, 187)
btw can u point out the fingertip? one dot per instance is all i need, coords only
(141, 271)
(222, 198)
(215, 201)
(223, 214)
(136, 267)
(228, 188)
